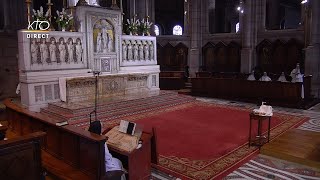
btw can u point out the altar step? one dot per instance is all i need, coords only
(299, 146)
(77, 113)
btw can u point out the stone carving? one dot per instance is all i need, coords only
(79, 51)
(110, 43)
(53, 50)
(48, 92)
(146, 51)
(124, 51)
(105, 65)
(130, 55)
(56, 91)
(70, 51)
(99, 43)
(62, 50)
(154, 80)
(38, 93)
(151, 51)
(104, 36)
(44, 52)
(34, 52)
(141, 55)
(135, 51)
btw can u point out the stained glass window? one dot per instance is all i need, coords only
(177, 30)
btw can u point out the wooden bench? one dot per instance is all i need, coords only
(21, 157)
(76, 153)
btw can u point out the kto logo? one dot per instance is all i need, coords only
(38, 29)
(39, 25)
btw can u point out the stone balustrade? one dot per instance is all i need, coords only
(138, 50)
(53, 50)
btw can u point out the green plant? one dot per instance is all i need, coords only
(64, 20)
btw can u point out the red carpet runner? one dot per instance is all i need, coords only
(201, 141)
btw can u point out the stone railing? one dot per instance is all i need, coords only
(138, 51)
(51, 50)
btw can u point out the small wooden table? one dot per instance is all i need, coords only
(259, 140)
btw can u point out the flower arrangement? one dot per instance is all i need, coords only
(145, 26)
(40, 15)
(64, 20)
(132, 25)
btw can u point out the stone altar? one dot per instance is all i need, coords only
(98, 45)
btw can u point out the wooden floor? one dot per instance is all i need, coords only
(296, 145)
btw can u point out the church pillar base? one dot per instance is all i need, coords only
(312, 67)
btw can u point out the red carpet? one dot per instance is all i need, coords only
(199, 141)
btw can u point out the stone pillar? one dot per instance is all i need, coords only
(211, 14)
(273, 14)
(261, 12)
(187, 16)
(196, 36)
(312, 58)
(248, 34)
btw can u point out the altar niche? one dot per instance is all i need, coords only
(103, 37)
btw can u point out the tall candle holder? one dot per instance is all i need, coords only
(28, 2)
(82, 3)
(114, 5)
(72, 28)
(50, 4)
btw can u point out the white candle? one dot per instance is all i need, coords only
(134, 7)
(147, 8)
(49, 1)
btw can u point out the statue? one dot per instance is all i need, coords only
(135, 51)
(282, 78)
(124, 51)
(296, 75)
(151, 51)
(70, 51)
(104, 39)
(79, 51)
(265, 77)
(251, 77)
(141, 55)
(99, 43)
(53, 49)
(62, 50)
(146, 51)
(110, 43)
(34, 52)
(130, 57)
(44, 52)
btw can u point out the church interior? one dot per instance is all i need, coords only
(159, 90)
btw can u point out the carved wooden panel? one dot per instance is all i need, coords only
(294, 55)
(168, 55)
(279, 57)
(234, 57)
(181, 57)
(208, 57)
(264, 53)
(220, 57)
(160, 55)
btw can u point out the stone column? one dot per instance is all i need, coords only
(248, 35)
(261, 12)
(196, 36)
(187, 17)
(312, 58)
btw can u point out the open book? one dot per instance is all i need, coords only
(122, 141)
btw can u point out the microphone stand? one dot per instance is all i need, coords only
(95, 127)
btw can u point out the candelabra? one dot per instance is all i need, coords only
(72, 28)
(28, 2)
(114, 5)
(49, 4)
(82, 3)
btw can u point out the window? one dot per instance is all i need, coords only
(177, 30)
(156, 30)
(237, 27)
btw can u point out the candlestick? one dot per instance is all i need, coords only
(72, 29)
(28, 2)
(134, 7)
(147, 8)
(114, 5)
(49, 4)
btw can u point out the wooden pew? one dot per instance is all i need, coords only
(251, 90)
(21, 157)
(172, 80)
(74, 150)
